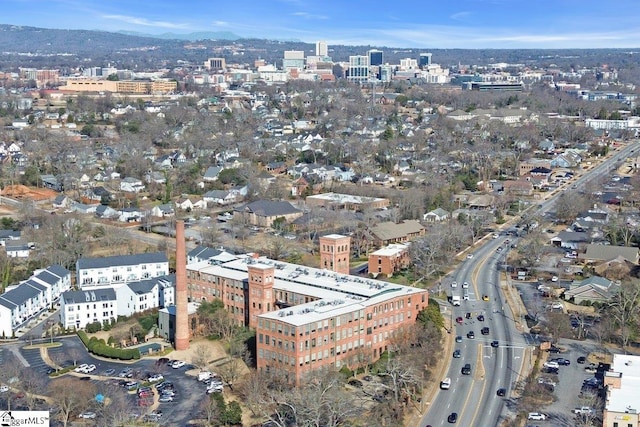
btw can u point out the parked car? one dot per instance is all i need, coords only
(178, 364)
(165, 399)
(536, 416)
(81, 368)
(582, 360)
(155, 378)
(90, 368)
(109, 372)
(87, 415)
(550, 364)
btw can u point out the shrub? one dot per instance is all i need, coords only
(94, 327)
(100, 348)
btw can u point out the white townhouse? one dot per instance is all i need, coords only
(136, 297)
(80, 308)
(23, 302)
(167, 290)
(115, 271)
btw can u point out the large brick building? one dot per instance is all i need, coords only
(307, 318)
(389, 260)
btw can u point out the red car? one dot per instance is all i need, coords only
(459, 320)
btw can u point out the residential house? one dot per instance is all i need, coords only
(120, 269)
(106, 212)
(130, 214)
(436, 215)
(84, 209)
(9, 236)
(155, 177)
(131, 185)
(594, 216)
(163, 211)
(547, 146)
(389, 260)
(99, 194)
(218, 197)
(184, 203)
(571, 239)
(136, 297)
(212, 173)
(166, 290)
(595, 253)
(51, 182)
(276, 168)
(518, 187)
(17, 249)
(61, 201)
(263, 213)
(81, 308)
(386, 233)
(568, 159)
(592, 289)
(299, 186)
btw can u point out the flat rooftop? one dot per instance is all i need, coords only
(337, 293)
(625, 398)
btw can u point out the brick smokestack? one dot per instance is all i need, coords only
(182, 313)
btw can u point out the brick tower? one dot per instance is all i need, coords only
(182, 313)
(334, 253)
(261, 297)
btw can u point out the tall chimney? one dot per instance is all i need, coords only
(182, 313)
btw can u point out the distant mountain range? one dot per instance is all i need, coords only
(200, 35)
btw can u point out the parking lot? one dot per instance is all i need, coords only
(189, 393)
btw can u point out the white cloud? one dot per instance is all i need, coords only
(145, 22)
(461, 16)
(221, 24)
(307, 15)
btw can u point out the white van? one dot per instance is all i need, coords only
(204, 375)
(445, 384)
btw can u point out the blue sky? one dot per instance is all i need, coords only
(416, 24)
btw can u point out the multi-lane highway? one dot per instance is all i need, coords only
(474, 398)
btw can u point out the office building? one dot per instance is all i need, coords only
(375, 57)
(322, 49)
(358, 71)
(425, 60)
(293, 59)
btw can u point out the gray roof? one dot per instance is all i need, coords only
(608, 252)
(216, 194)
(47, 277)
(19, 295)
(143, 286)
(117, 260)
(574, 236)
(212, 171)
(58, 270)
(7, 234)
(166, 280)
(269, 208)
(77, 297)
(203, 252)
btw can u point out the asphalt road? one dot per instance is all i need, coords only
(473, 397)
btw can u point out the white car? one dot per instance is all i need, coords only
(155, 378)
(465, 285)
(178, 364)
(551, 365)
(87, 415)
(454, 284)
(81, 368)
(4, 388)
(537, 416)
(89, 368)
(554, 278)
(470, 256)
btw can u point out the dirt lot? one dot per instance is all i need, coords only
(24, 192)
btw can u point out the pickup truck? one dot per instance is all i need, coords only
(584, 410)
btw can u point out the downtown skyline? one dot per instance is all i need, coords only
(475, 24)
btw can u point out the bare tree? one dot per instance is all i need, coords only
(239, 358)
(32, 384)
(71, 396)
(624, 309)
(211, 411)
(200, 357)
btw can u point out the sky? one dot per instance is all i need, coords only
(436, 24)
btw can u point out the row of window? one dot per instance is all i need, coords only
(128, 269)
(88, 306)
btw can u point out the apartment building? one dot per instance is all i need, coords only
(80, 308)
(115, 271)
(307, 318)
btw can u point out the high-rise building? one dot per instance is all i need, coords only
(375, 57)
(293, 59)
(215, 64)
(358, 71)
(425, 59)
(321, 48)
